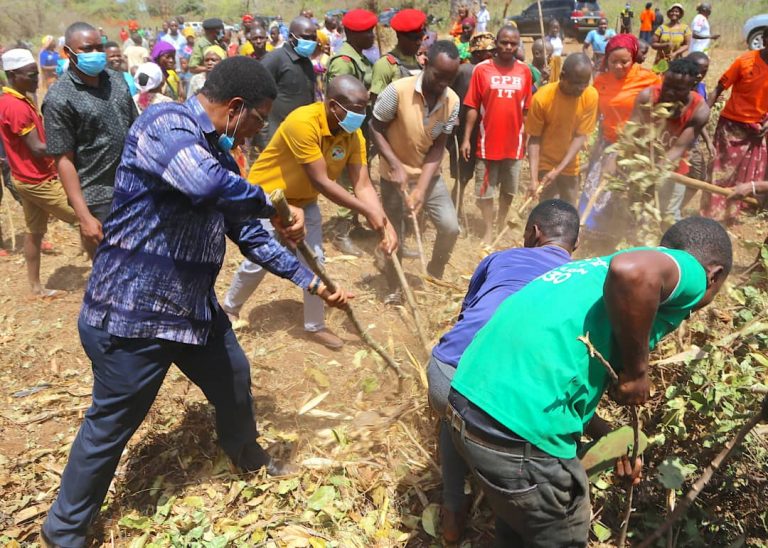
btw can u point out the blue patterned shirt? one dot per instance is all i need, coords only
(176, 197)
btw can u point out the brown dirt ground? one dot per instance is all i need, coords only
(39, 344)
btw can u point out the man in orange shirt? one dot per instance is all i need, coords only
(647, 17)
(562, 117)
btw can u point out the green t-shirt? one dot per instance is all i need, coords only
(527, 369)
(536, 73)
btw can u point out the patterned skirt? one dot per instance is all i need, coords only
(741, 156)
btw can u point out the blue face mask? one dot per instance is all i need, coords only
(352, 120)
(91, 63)
(303, 47)
(226, 141)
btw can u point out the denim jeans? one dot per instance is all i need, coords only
(539, 501)
(454, 469)
(249, 275)
(442, 212)
(127, 374)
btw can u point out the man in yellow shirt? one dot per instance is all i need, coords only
(306, 155)
(562, 116)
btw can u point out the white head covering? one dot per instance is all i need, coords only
(153, 74)
(16, 58)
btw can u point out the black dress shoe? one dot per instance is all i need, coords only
(253, 457)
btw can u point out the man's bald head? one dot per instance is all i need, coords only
(575, 64)
(302, 25)
(347, 90)
(576, 74)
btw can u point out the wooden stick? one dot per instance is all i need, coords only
(628, 510)
(541, 20)
(419, 243)
(508, 225)
(706, 476)
(411, 301)
(595, 353)
(708, 187)
(281, 205)
(10, 217)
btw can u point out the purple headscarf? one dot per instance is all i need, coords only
(161, 48)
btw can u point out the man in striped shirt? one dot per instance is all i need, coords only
(412, 120)
(499, 95)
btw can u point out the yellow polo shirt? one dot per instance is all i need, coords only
(302, 138)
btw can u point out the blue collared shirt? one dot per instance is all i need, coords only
(497, 277)
(176, 197)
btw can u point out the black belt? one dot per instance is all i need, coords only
(519, 447)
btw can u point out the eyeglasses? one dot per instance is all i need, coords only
(262, 122)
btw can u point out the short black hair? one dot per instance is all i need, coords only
(74, 28)
(556, 219)
(697, 56)
(703, 238)
(684, 67)
(111, 44)
(240, 76)
(648, 5)
(442, 46)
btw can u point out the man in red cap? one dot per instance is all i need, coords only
(410, 26)
(349, 59)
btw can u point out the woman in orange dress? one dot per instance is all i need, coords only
(618, 85)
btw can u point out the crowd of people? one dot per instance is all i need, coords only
(161, 146)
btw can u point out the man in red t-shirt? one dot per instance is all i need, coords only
(500, 91)
(22, 132)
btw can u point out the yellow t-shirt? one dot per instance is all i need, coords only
(557, 119)
(246, 49)
(302, 138)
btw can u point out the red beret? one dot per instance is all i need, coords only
(359, 20)
(247, 18)
(409, 20)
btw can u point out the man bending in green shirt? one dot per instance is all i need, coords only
(524, 390)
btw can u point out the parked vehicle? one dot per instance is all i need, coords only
(753, 30)
(197, 26)
(576, 17)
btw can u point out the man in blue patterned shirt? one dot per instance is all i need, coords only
(150, 300)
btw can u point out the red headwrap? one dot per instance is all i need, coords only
(621, 41)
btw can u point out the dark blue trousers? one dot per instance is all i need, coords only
(127, 374)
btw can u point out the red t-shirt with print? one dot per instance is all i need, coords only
(501, 95)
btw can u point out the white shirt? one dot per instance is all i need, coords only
(700, 26)
(483, 18)
(557, 44)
